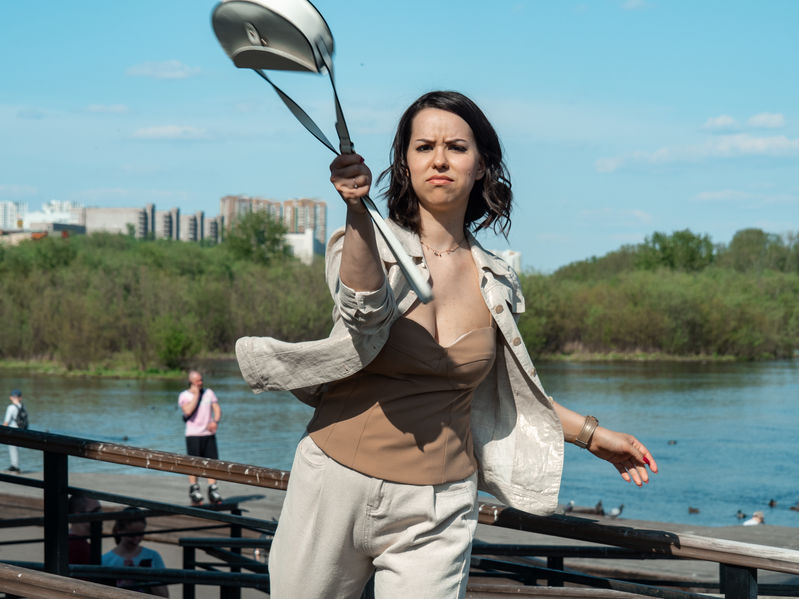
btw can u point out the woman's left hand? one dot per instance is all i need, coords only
(625, 452)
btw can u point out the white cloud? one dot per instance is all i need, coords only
(749, 145)
(722, 122)
(170, 132)
(167, 69)
(17, 191)
(728, 146)
(767, 120)
(107, 108)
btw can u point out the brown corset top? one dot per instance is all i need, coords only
(406, 416)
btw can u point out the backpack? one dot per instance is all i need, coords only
(22, 417)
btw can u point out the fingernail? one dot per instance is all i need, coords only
(646, 461)
(361, 157)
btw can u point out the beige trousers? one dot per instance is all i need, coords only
(338, 527)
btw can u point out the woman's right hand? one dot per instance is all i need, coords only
(352, 179)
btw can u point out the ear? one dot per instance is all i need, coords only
(481, 170)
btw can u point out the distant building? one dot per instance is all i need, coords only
(297, 215)
(512, 257)
(12, 215)
(231, 207)
(305, 245)
(213, 229)
(302, 215)
(136, 221)
(58, 229)
(54, 211)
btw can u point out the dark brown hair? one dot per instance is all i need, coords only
(130, 515)
(490, 199)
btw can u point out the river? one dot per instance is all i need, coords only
(723, 434)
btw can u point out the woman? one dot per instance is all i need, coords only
(418, 404)
(128, 534)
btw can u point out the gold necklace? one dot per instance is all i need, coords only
(442, 253)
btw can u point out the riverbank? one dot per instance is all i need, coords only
(122, 367)
(115, 371)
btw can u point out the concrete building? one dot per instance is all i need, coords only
(303, 214)
(213, 229)
(297, 215)
(231, 207)
(136, 221)
(12, 215)
(512, 257)
(305, 245)
(305, 220)
(58, 229)
(54, 211)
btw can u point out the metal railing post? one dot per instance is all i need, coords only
(56, 524)
(188, 564)
(95, 541)
(737, 582)
(555, 563)
(233, 592)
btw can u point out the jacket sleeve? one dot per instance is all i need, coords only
(362, 312)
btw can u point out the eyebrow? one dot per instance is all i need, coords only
(449, 141)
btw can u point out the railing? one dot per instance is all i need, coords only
(738, 562)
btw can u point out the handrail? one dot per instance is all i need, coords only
(146, 458)
(41, 585)
(654, 542)
(650, 543)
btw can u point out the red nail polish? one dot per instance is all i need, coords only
(646, 461)
(361, 157)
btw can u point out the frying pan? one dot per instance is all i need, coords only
(291, 35)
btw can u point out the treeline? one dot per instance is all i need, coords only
(676, 294)
(89, 301)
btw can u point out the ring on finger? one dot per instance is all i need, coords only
(354, 184)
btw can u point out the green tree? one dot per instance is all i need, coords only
(755, 250)
(682, 250)
(258, 237)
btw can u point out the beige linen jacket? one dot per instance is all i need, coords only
(518, 440)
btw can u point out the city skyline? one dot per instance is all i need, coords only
(619, 118)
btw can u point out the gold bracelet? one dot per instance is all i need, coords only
(584, 438)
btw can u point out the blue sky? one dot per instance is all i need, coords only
(618, 117)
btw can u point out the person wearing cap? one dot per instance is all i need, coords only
(12, 411)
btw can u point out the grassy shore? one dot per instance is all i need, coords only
(115, 371)
(121, 367)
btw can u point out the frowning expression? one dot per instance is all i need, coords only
(443, 160)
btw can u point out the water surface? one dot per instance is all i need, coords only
(724, 435)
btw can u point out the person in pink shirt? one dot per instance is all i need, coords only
(202, 414)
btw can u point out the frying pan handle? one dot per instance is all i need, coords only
(412, 274)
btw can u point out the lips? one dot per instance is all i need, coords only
(439, 180)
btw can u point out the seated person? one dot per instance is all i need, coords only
(128, 534)
(79, 532)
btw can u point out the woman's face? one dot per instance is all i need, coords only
(132, 533)
(443, 161)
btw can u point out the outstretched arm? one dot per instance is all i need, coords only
(627, 454)
(361, 269)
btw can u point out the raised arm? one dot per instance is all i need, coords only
(360, 269)
(627, 454)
